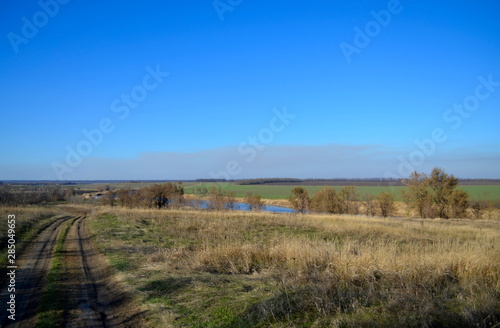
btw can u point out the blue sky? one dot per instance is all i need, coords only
(232, 66)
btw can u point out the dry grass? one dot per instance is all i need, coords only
(28, 221)
(309, 270)
(25, 215)
(25, 218)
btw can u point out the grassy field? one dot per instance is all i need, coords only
(283, 192)
(483, 192)
(279, 192)
(238, 269)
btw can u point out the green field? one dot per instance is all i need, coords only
(476, 192)
(282, 192)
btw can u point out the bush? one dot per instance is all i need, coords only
(326, 201)
(300, 199)
(254, 202)
(386, 204)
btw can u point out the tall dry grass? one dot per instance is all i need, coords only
(340, 270)
(25, 217)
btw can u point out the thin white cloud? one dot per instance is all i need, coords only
(326, 161)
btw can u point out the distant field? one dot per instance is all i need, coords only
(283, 191)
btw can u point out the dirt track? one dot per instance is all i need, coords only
(92, 295)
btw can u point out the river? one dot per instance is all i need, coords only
(245, 207)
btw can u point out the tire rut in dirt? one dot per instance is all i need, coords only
(88, 310)
(95, 296)
(92, 295)
(32, 269)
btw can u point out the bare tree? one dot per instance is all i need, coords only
(370, 205)
(230, 200)
(419, 194)
(216, 198)
(109, 198)
(326, 201)
(164, 194)
(349, 200)
(386, 204)
(126, 197)
(158, 195)
(459, 203)
(442, 186)
(436, 195)
(69, 193)
(254, 201)
(300, 199)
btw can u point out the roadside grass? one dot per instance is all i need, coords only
(238, 269)
(53, 299)
(29, 222)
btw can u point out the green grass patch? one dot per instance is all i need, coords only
(129, 236)
(208, 300)
(121, 262)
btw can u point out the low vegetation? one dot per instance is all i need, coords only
(246, 269)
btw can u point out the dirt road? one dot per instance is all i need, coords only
(92, 295)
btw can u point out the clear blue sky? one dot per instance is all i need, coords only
(231, 68)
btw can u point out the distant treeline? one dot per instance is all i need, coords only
(376, 182)
(34, 195)
(479, 182)
(212, 180)
(323, 182)
(268, 181)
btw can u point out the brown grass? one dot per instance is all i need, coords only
(25, 218)
(326, 270)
